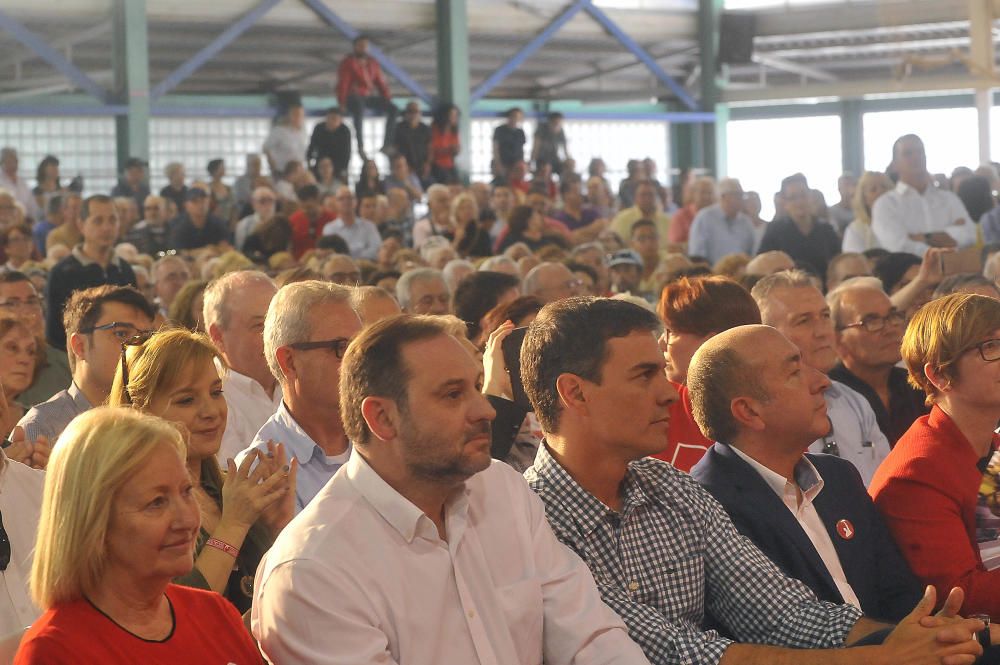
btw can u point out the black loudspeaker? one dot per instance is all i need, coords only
(736, 32)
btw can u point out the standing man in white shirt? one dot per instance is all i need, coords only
(287, 141)
(420, 550)
(20, 508)
(16, 185)
(235, 308)
(916, 215)
(308, 327)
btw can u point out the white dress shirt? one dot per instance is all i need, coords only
(855, 430)
(799, 500)
(21, 506)
(904, 211)
(249, 408)
(22, 192)
(362, 237)
(361, 576)
(286, 144)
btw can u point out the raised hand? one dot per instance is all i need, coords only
(247, 493)
(280, 512)
(496, 379)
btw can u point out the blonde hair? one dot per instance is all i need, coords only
(862, 212)
(97, 454)
(941, 331)
(459, 200)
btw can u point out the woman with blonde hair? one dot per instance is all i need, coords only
(471, 239)
(939, 488)
(119, 521)
(174, 374)
(858, 236)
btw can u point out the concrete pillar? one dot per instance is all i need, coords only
(981, 65)
(713, 135)
(130, 61)
(852, 139)
(453, 70)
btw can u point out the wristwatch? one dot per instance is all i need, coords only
(983, 636)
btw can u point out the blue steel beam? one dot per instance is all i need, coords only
(641, 53)
(227, 37)
(528, 49)
(346, 29)
(51, 56)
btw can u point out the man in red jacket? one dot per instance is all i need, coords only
(360, 85)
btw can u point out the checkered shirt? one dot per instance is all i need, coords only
(672, 554)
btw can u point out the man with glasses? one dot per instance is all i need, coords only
(18, 298)
(341, 269)
(550, 282)
(97, 320)
(869, 334)
(91, 263)
(798, 233)
(170, 274)
(308, 327)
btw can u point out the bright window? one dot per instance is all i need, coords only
(950, 137)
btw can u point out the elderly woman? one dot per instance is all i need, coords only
(119, 522)
(938, 489)
(17, 369)
(173, 374)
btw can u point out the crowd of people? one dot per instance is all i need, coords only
(289, 418)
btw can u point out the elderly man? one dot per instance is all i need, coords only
(798, 232)
(423, 291)
(264, 203)
(422, 550)
(647, 206)
(373, 303)
(754, 392)
(663, 551)
(790, 303)
(308, 327)
(869, 335)
(235, 308)
(916, 215)
(97, 321)
(341, 269)
(550, 282)
(438, 219)
(360, 234)
(722, 228)
(768, 263)
(16, 185)
(844, 267)
(151, 234)
(170, 274)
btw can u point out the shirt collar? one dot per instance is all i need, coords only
(79, 399)
(87, 261)
(299, 443)
(807, 478)
(244, 383)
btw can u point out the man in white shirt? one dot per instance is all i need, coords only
(421, 550)
(308, 327)
(264, 202)
(235, 308)
(20, 509)
(754, 393)
(17, 186)
(287, 141)
(361, 235)
(789, 302)
(917, 215)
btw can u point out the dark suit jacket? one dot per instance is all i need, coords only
(872, 563)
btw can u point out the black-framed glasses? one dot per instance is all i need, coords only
(338, 346)
(988, 350)
(874, 323)
(122, 330)
(135, 340)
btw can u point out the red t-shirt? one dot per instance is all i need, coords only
(685, 443)
(302, 239)
(444, 146)
(207, 631)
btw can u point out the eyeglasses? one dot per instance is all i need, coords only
(874, 323)
(16, 303)
(135, 340)
(988, 350)
(338, 346)
(123, 331)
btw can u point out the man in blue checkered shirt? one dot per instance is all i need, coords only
(663, 551)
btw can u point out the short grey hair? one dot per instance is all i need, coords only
(221, 293)
(404, 284)
(287, 320)
(451, 268)
(493, 263)
(991, 270)
(835, 298)
(587, 247)
(167, 260)
(784, 279)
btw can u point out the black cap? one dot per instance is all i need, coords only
(194, 193)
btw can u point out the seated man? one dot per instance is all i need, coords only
(810, 514)
(421, 550)
(97, 321)
(423, 291)
(789, 302)
(308, 327)
(663, 550)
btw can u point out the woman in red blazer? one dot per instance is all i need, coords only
(937, 489)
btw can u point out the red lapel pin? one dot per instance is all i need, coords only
(845, 529)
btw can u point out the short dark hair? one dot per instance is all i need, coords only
(334, 242)
(571, 336)
(904, 137)
(477, 294)
(795, 178)
(307, 192)
(374, 366)
(359, 37)
(567, 184)
(704, 305)
(22, 228)
(103, 199)
(214, 165)
(639, 224)
(84, 307)
(13, 277)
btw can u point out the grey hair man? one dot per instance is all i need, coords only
(455, 271)
(306, 332)
(790, 302)
(423, 291)
(550, 282)
(235, 308)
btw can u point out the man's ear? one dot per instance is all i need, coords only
(572, 394)
(77, 345)
(215, 333)
(382, 417)
(746, 412)
(286, 361)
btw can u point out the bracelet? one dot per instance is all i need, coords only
(224, 546)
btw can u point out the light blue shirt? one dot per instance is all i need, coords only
(714, 236)
(362, 237)
(855, 430)
(315, 467)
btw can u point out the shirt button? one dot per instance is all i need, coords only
(633, 586)
(472, 614)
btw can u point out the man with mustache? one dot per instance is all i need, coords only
(422, 550)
